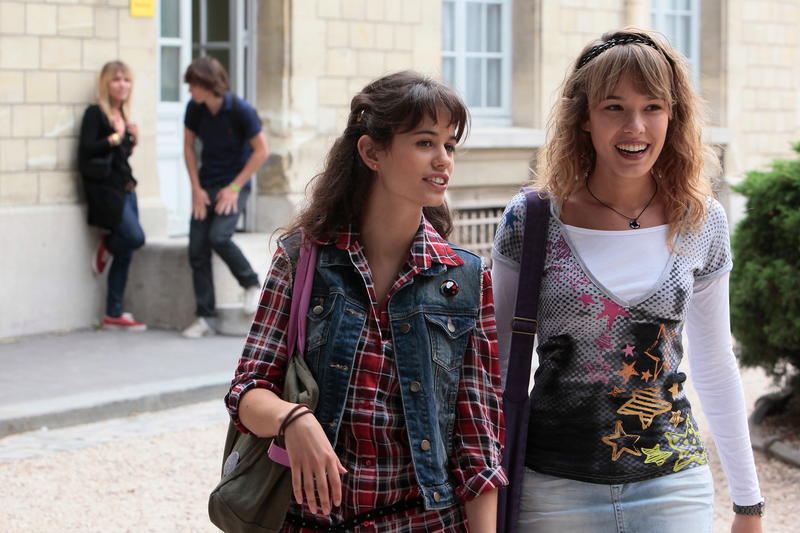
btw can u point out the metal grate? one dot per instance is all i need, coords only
(475, 228)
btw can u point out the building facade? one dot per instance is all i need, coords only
(299, 62)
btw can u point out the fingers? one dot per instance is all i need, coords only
(199, 212)
(308, 486)
(335, 483)
(297, 485)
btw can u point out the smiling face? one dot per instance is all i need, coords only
(119, 88)
(628, 130)
(416, 168)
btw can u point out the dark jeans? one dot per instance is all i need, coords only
(121, 242)
(214, 233)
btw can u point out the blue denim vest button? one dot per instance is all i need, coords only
(437, 497)
(415, 386)
(317, 309)
(405, 328)
(425, 445)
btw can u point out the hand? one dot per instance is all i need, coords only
(119, 126)
(226, 201)
(746, 524)
(199, 202)
(313, 462)
(133, 129)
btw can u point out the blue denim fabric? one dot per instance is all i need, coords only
(430, 333)
(675, 503)
(214, 233)
(126, 237)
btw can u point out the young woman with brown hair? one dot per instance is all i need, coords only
(637, 249)
(401, 334)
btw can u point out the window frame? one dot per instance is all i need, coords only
(482, 115)
(661, 10)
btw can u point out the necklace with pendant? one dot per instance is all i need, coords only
(633, 222)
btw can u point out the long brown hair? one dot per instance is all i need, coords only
(654, 68)
(107, 73)
(392, 104)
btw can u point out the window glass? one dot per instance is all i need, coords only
(448, 23)
(474, 35)
(170, 18)
(474, 82)
(476, 55)
(218, 20)
(170, 74)
(493, 26)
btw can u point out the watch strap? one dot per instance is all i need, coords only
(752, 510)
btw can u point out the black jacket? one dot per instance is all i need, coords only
(105, 196)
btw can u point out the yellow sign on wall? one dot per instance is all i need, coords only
(143, 8)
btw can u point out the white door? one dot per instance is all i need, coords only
(175, 54)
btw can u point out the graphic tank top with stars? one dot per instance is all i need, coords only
(608, 404)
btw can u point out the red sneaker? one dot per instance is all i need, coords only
(101, 258)
(124, 322)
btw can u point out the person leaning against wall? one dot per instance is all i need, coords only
(233, 148)
(107, 140)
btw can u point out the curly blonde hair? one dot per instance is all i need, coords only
(682, 169)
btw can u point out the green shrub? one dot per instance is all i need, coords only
(765, 282)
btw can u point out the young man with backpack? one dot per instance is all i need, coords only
(233, 148)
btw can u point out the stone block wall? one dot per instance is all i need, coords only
(50, 55)
(51, 52)
(337, 47)
(763, 82)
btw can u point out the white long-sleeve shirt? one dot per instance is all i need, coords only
(714, 369)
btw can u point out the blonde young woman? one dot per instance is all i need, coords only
(637, 249)
(107, 140)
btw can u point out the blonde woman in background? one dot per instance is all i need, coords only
(107, 140)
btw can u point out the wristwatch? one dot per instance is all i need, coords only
(752, 510)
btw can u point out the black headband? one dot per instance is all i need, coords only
(600, 48)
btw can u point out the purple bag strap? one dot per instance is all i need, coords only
(301, 297)
(516, 401)
(524, 325)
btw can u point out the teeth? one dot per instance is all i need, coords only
(437, 181)
(638, 147)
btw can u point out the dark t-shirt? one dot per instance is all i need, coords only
(224, 137)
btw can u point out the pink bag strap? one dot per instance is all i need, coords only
(301, 297)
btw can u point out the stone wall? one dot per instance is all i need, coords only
(50, 55)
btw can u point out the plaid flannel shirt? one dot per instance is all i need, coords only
(373, 445)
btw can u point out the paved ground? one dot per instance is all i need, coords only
(152, 472)
(83, 376)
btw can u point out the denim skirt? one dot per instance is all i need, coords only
(676, 503)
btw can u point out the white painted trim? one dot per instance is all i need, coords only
(492, 137)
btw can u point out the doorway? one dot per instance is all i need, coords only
(189, 29)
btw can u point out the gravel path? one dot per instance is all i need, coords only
(153, 472)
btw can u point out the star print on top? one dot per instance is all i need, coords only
(604, 395)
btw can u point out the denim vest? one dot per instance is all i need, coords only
(429, 331)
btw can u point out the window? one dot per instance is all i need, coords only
(679, 21)
(476, 55)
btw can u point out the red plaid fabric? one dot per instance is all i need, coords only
(373, 444)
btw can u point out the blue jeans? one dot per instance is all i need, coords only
(215, 233)
(121, 242)
(677, 503)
